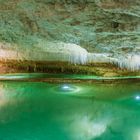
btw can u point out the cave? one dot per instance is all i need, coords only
(69, 69)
